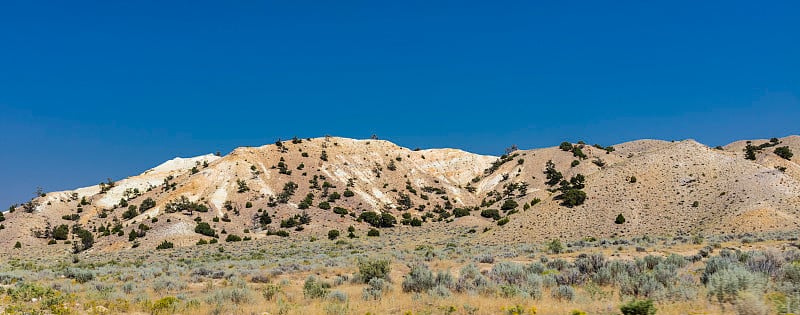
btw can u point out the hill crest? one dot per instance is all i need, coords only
(309, 186)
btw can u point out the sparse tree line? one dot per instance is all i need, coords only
(750, 150)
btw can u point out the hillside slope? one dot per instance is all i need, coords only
(304, 188)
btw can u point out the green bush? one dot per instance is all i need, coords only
(61, 232)
(419, 279)
(375, 289)
(264, 219)
(147, 204)
(334, 196)
(86, 240)
(784, 152)
(348, 193)
(314, 288)
(502, 221)
(373, 232)
(726, 285)
(573, 197)
(471, 280)
(371, 217)
(324, 205)
(233, 238)
(369, 268)
(620, 219)
(340, 211)
(241, 186)
(183, 204)
(80, 275)
(17, 245)
(165, 245)
(506, 272)
(288, 191)
(491, 213)
(205, 229)
(750, 152)
(563, 292)
(553, 176)
(638, 307)
(296, 220)
(509, 204)
(280, 233)
(555, 246)
(578, 153)
(333, 234)
(460, 212)
(385, 219)
(27, 291)
(71, 217)
(165, 305)
(130, 213)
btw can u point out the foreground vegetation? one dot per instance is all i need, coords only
(735, 274)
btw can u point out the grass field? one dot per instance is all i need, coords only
(404, 274)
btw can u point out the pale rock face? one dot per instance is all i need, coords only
(151, 177)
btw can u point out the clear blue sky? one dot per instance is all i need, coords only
(91, 90)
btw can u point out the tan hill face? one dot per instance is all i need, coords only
(767, 156)
(679, 188)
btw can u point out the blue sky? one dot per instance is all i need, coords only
(91, 90)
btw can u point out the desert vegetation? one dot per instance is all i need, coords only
(736, 274)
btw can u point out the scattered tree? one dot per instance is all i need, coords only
(242, 186)
(165, 245)
(61, 232)
(130, 213)
(784, 152)
(509, 204)
(147, 204)
(205, 229)
(553, 175)
(333, 234)
(385, 219)
(573, 197)
(491, 213)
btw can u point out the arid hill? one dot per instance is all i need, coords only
(307, 187)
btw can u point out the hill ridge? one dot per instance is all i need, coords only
(309, 186)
